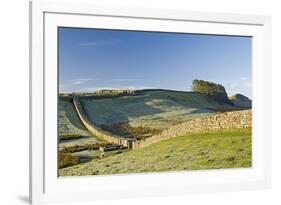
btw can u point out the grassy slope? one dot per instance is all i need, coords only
(153, 109)
(69, 121)
(70, 124)
(199, 151)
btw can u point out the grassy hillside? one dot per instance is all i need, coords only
(241, 100)
(73, 136)
(137, 114)
(199, 151)
(69, 122)
(148, 111)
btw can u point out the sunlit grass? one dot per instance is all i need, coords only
(198, 151)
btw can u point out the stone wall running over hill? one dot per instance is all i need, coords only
(221, 121)
(107, 136)
(226, 120)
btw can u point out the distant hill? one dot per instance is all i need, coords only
(241, 101)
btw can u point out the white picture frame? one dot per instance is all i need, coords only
(46, 187)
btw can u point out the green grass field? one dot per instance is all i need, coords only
(198, 151)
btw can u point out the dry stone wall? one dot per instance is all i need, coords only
(107, 136)
(226, 120)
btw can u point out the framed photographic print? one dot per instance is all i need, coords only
(129, 102)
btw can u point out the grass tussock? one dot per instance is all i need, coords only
(66, 160)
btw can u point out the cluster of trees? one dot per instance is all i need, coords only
(209, 88)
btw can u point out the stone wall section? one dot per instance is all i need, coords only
(221, 121)
(96, 131)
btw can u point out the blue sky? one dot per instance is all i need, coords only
(93, 59)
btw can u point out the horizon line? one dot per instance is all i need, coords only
(145, 89)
